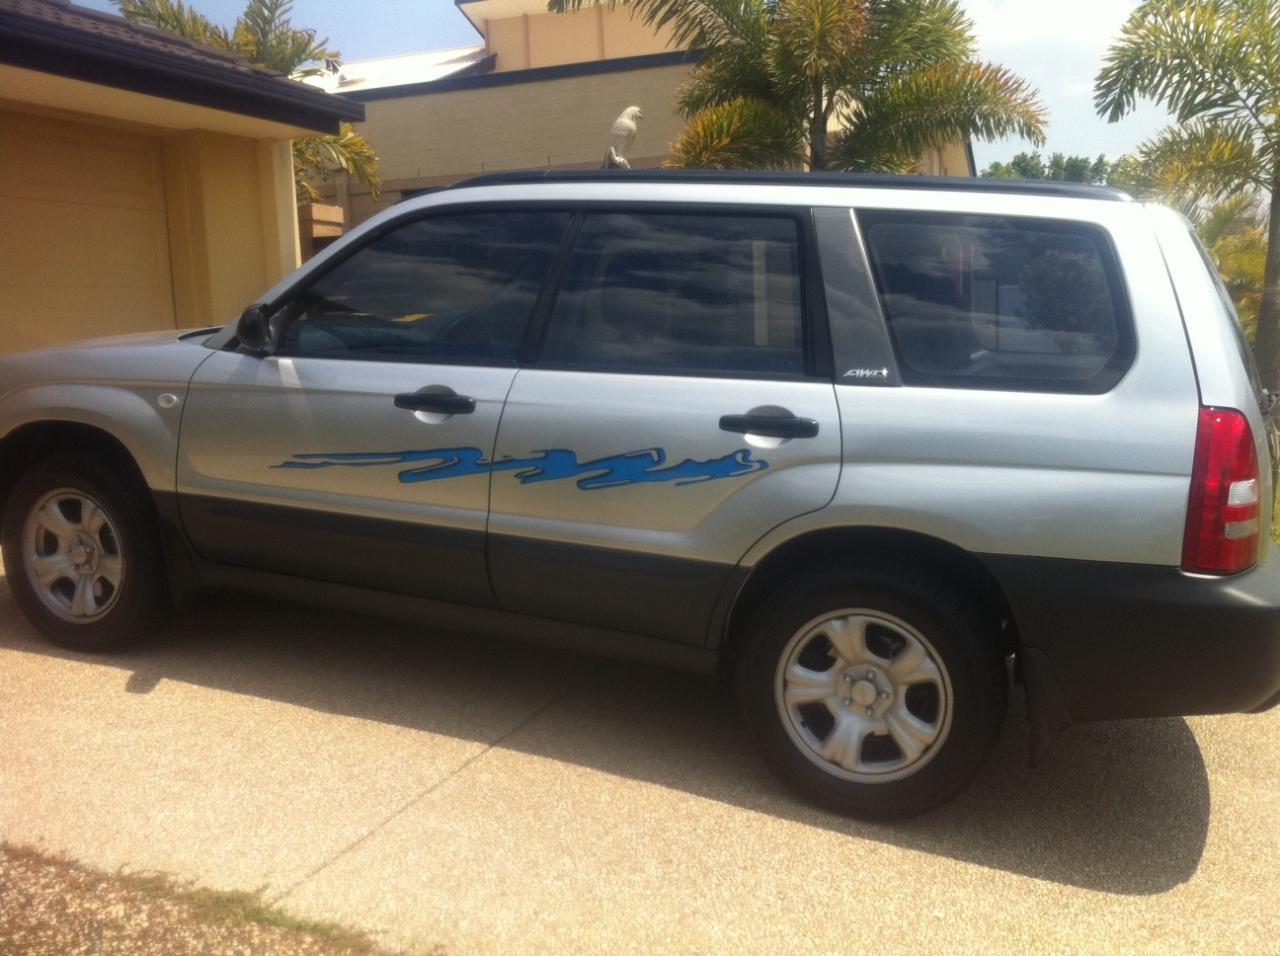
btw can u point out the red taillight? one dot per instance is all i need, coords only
(1224, 512)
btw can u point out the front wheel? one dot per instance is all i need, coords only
(82, 554)
(874, 691)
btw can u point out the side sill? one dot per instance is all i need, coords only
(443, 614)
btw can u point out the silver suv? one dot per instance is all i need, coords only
(862, 442)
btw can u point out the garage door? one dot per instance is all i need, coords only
(84, 247)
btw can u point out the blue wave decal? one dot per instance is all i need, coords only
(554, 464)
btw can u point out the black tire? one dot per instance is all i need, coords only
(141, 605)
(965, 645)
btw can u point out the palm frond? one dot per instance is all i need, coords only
(738, 67)
(1241, 258)
(931, 107)
(174, 16)
(816, 38)
(741, 134)
(1232, 216)
(316, 156)
(1199, 58)
(723, 79)
(908, 35)
(871, 154)
(265, 36)
(1202, 159)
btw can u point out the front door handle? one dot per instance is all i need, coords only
(443, 403)
(770, 426)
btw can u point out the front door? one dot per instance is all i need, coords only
(315, 461)
(674, 414)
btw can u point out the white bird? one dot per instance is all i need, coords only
(621, 136)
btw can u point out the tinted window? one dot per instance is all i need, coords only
(993, 302)
(458, 288)
(681, 293)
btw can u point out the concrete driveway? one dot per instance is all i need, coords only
(462, 795)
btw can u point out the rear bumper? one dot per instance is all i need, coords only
(1103, 640)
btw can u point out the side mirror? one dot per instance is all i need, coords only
(254, 329)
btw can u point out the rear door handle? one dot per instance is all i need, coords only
(444, 403)
(770, 426)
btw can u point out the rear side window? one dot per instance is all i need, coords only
(682, 294)
(1000, 302)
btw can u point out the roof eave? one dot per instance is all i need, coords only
(481, 75)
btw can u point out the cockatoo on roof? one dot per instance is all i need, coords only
(621, 137)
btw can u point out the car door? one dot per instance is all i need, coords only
(678, 408)
(389, 368)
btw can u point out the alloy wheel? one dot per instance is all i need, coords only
(73, 556)
(864, 695)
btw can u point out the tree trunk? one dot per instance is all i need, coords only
(1266, 348)
(818, 130)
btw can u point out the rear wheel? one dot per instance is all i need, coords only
(82, 553)
(874, 691)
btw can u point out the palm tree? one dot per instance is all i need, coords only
(894, 77)
(1235, 233)
(1233, 229)
(265, 37)
(1215, 65)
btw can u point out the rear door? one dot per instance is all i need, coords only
(678, 407)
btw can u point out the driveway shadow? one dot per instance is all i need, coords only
(1121, 808)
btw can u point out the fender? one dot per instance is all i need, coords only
(131, 387)
(133, 416)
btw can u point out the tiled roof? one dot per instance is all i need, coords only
(81, 19)
(58, 37)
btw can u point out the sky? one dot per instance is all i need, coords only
(1057, 47)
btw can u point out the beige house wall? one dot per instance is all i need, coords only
(234, 222)
(509, 39)
(588, 35)
(438, 138)
(951, 160)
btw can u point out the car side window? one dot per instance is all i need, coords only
(681, 294)
(456, 288)
(1000, 302)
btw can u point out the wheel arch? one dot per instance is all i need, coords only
(36, 440)
(30, 442)
(815, 548)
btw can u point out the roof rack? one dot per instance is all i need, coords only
(744, 177)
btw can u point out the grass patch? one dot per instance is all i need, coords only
(239, 908)
(234, 907)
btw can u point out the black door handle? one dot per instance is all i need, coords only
(770, 426)
(445, 403)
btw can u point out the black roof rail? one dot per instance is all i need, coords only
(769, 178)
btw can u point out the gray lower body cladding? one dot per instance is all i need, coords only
(1105, 641)
(1099, 640)
(663, 598)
